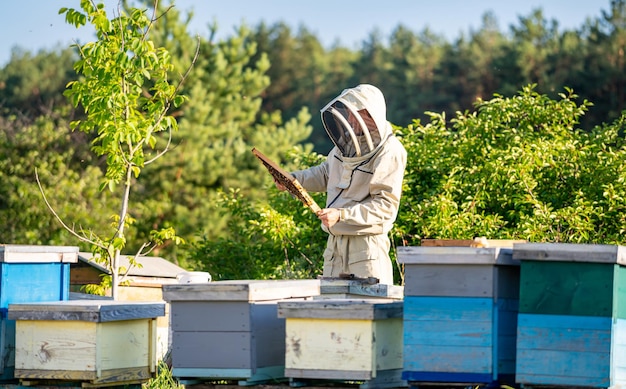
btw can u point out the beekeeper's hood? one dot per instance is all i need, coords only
(356, 120)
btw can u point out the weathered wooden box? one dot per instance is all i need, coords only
(29, 274)
(460, 314)
(571, 324)
(344, 339)
(338, 288)
(94, 342)
(230, 329)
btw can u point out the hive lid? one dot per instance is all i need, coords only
(16, 253)
(242, 290)
(351, 309)
(447, 255)
(351, 287)
(570, 252)
(86, 310)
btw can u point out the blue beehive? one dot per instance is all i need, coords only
(29, 274)
(460, 314)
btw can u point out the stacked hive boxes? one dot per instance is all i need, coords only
(351, 332)
(92, 342)
(29, 274)
(231, 329)
(571, 325)
(460, 314)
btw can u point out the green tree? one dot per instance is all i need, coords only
(218, 127)
(46, 144)
(126, 94)
(32, 85)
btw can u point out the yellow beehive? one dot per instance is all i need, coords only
(95, 342)
(344, 339)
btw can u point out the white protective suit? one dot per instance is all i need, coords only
(362, 176)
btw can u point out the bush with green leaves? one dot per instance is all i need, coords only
(515, 168)
(277, 238)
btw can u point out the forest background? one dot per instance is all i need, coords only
(510, 135)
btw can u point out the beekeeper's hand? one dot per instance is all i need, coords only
(329, 216)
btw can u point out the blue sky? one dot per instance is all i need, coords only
(36, 24)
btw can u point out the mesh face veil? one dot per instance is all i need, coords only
(353, 131)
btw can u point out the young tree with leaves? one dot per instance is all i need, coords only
(126, 94)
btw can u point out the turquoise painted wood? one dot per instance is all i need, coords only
(29, 274)
(571, 317)
(564, 350)
(459, 339)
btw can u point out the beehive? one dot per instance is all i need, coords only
(571, 325)
(460, 314)
(93, 342)
(344, 339)
(230, 329)
(29, 274)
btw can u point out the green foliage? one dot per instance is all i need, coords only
(516, 168)
(45, 144)
(277, 239)
(163, 379)
(126, 95)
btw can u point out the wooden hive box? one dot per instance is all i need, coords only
(345, 340)
(346, 288)
(571, 324)
(93, 342)
(29, 274)
(460, 314)
(143, 283)
(230, 329)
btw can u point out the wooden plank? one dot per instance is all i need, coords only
(448, 280)
(449, 333)
(32, 282)
(124, 344)
(618, 353)
(350, 309)
(268, 332)
(563, 350)
(564, 333)
(323, 374)
(619, 292)
(65, 378)
(417, 255)
(476, 242)
(389, 343)
(553, 367)
(566, 288)
(358, 288)
(86, 310)
(15, 253)
(208, 373)
(471, 309)
(201, 316)
(212, 350)
(45, 346)
(242, 290)
(448, 359)
(7, 348)
(329, 344)
(570, 252)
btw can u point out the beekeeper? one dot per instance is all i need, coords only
(362, 176)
